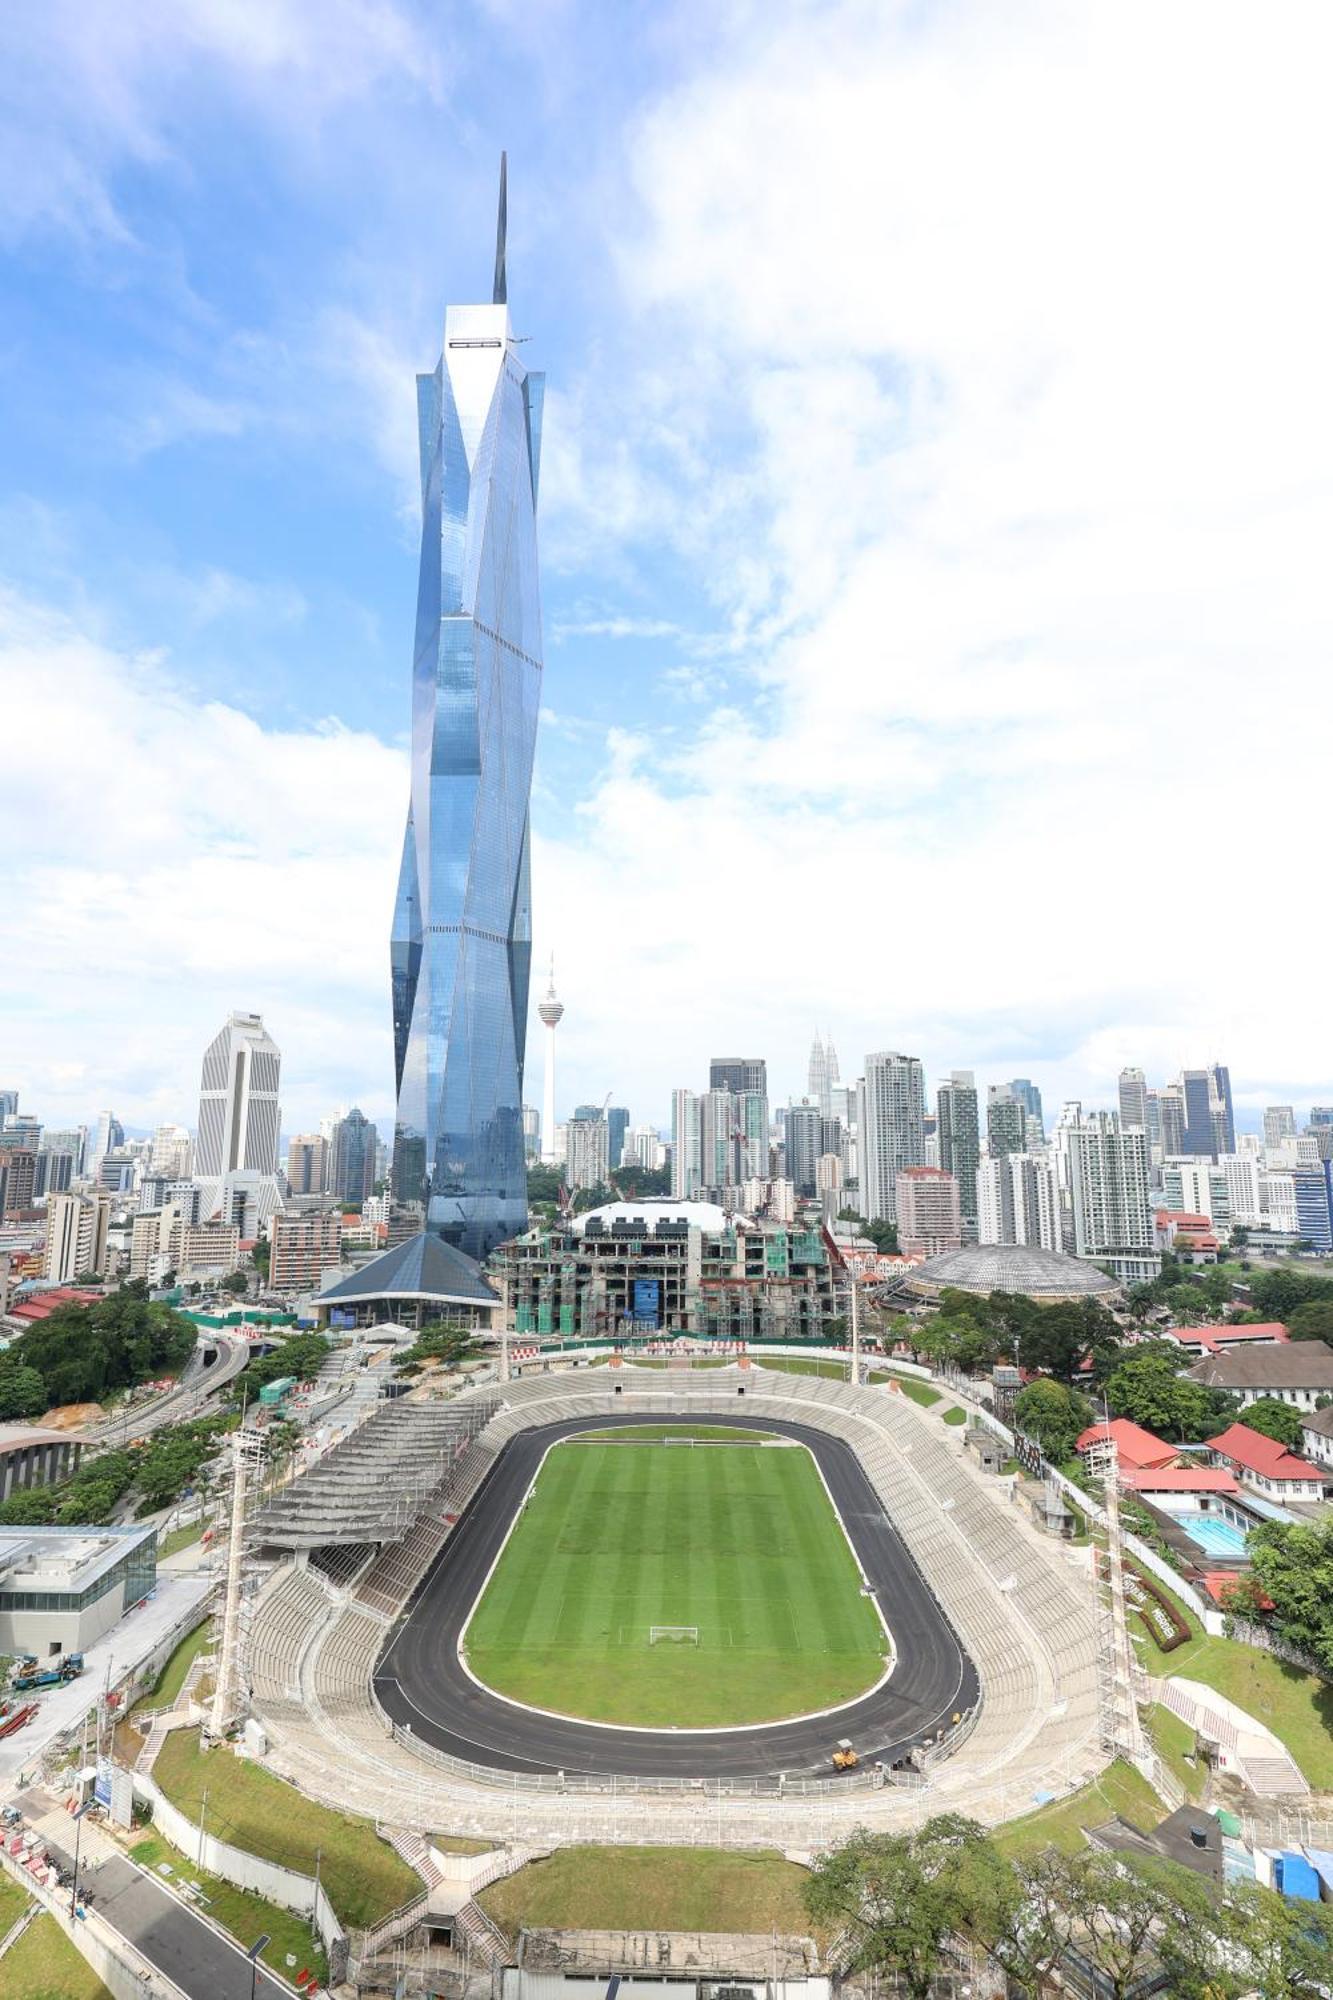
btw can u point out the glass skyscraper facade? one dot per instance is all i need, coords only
(462, 933)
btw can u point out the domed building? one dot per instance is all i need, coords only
(983, 1268)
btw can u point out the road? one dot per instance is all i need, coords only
(199, 1383)
(420, 1680)
(165, 1931)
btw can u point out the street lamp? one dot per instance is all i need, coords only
(261, 1943)
(86, 1807)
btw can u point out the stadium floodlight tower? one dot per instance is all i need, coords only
(462, 932)
(551, 1012)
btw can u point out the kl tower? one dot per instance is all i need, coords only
(550, 1011)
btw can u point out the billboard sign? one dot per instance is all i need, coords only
(647, 1302)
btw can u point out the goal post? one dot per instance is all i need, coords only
(684, 1634)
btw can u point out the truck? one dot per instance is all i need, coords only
(30, 1676)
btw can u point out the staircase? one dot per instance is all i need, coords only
(412, 1849)
(1273, 1777)
(474, 1931)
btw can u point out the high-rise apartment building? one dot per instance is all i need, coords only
(76, 1237)
(1198, 1187)
(1133, 1100)
(805, 1143)
(685, 1146)
(1110, 1196)
(462, 930)
(959, 1139)
(586, 1151)
(644, 1148)
(1018, 1201)
(891, 1121)
(303, 1248)
(308, 1163)
(1006, 1122)
(238, 1101)
(1025, 1092)
(172, 1152)
(929, 1217)
(19, 1166)
(1279, 1124)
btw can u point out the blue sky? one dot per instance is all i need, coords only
(935, 494)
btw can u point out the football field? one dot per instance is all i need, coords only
(735, 1546)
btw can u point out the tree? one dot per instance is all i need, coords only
(1274, 1420)
(22, 1390)
(1312, 1321)
(236, 1282)
(259, 1257)
(884, 1235)
(84, 1352)
(635, 1183)
(544, 1183)
(440, 1341)
(1128, 1919)
(1292, 1565)
(1054, 1415)
(901, 1896)
(1058, 1339)
(1146, 1388)
(1285, 1948)
(1279, 1293)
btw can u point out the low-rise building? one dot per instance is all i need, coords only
(33, 1456)
(62, 1588)
(1298, 1372)
(1137, 1450)
(669, 1267)
(1317, 1436)
(204, 1249)
(1265, 1465)
(1201, 1340)
(410, 1284)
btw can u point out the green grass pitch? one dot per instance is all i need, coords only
(741, 1543)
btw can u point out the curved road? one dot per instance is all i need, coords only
(420, 1681)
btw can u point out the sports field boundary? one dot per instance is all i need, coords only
(675, 1729)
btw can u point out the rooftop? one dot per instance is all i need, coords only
(19, 1437)
(705, 1215)
(423, 1267)
(1011, 1267)
(1180, 1479)
(1292, 1364)
(1319, 1421)
(1137, 1450)
(1257, 1453)
(1212, 1338)
(64, 1560)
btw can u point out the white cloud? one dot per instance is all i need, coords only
(1026, 336)
(168, 859)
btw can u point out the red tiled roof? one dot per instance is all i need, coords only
(1136, 1448)
(1217, 1581)
(1270, 1332)
(1180, 1479)
(1257, 1453)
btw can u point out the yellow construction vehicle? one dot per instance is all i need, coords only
(844, 1757)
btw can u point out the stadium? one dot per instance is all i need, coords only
(630, 1604)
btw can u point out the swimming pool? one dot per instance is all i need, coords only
(1213, 1535)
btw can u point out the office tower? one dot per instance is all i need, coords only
(115, 1174)
(1221, 1109)
(54, 1173)
(76, 1237)
(69, 1145)
(685, 1146)
(617, 1125)
(1134, 1100)
(891, 1118)
(303, 1249)
(21, 1130)
(108, 1136)
(462, 929)
(1279, 1124)
(9, 1104)
(1109, 1195)
(1197, 1187)
(1006, 1123)
(1025, 1092)
(586, 1150)
(1018, 1201)
(352, 1168)
(805, 1143)
(238, 1100)
(644, 1148)
(1170, 1109)
(1313, 1188)
(822, 1076)
(1321, 1115)
(172, 1152)
(959, 1139)
(308, 1163)
(532, 1134)
(738, 1074)
(19, 1164)
(550, 1012)
(929, 1218)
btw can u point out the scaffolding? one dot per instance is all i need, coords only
(1117, 1669)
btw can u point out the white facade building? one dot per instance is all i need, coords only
(1018, 1201)
(686, 1178)
(76, 1236)
(891, 1126)
(1110, 1199)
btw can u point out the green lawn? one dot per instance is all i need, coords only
(246, 1916)
(1119, 1789)
(180, 1538)
(13, 1901)
(44, 1965)
(953, 1415)
(915, 1391)
(1173, 1741)
(170, 1681)
(740, 1544)
(251, 1808)
(651, 1888)
(654, 1433)
(800, 1364)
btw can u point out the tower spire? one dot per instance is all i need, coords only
(501, 294)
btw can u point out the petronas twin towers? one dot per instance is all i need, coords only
(462, 930)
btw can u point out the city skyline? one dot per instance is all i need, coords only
(761, 667)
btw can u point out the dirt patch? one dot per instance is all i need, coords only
(73, 1416)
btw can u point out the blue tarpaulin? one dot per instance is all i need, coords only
(1297, 1880)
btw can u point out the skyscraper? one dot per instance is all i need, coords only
(238, 1101)
(1109, 1195)
(958, 1131)
(804, 1125)
(685, 1146)
(891, 1120)
(1006, 1122)
(617, 1125)
(738, 1074)
(1279, 1124)
(822, 1077)
(1025, 1092)
(1133, 1100)
(462, 931)
(353, 1157)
